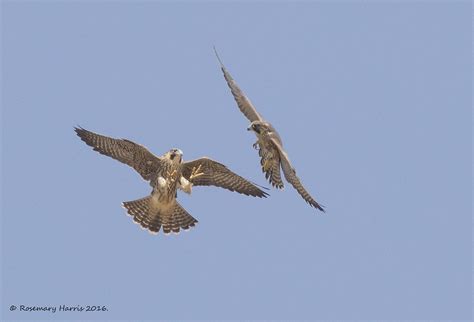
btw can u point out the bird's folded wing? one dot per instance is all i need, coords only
(125, 151)
(243, 102)
(292, 178)
(217, 174)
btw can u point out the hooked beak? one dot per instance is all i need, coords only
(176, 153)
(249, 128)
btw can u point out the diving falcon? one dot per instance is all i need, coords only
(166, 174)
(269, 143)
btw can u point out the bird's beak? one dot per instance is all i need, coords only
(249, 128)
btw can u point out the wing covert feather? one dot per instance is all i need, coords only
(125, 151)
(217, 174)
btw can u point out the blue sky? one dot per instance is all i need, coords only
(372, 100)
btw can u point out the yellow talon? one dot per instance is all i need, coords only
(196, 172)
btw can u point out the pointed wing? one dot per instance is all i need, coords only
(125, 151)
(217, 174)
(290, 176)
(243, 102)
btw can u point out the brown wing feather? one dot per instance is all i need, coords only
(125, 151)
(217, 174)
(243, 102)
(292, 178)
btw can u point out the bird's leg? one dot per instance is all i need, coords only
(196, 172)
(185, 185)
(162, 183)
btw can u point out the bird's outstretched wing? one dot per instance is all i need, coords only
(217, 174)
(243, 102)
(292, 178)
(125, 151)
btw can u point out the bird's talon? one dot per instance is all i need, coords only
(196, 172)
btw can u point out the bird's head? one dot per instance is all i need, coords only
(259, 127)
(175, 155)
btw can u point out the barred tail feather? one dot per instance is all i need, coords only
(153, 220)
(275, 176)
(179, 219)
(271, 167)
(140, 211)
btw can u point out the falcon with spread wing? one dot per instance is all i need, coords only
(269, 143)
(166, 175)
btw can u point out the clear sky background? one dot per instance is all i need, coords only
(372, 100)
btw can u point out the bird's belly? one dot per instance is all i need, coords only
(165, 185)
(266, 148)
(162, 201)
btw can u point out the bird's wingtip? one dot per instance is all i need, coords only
(320, 208)
(217, 55)
(78, 129)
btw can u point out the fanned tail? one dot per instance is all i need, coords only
(179, 219)
(140, 211)
(152, 220)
